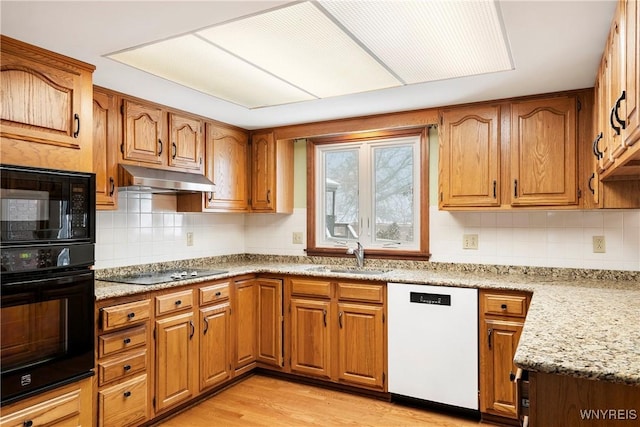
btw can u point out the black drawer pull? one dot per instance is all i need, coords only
(131, 315)
(27, 423)
(503, 306)
(218, 293)
(127, 367)
(76, 117)
(127, 393)
(178, 302)
(127, 340)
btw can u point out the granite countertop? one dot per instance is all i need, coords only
(577, 324)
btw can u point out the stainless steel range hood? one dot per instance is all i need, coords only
(148, 180)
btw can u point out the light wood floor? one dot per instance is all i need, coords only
(267, 401)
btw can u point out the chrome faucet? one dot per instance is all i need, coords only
(359, 253)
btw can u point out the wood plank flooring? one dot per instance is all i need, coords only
(267, 401)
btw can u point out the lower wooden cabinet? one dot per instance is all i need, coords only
(65, 406)
(244, 308)
(270, 322)
(502, 317)
(338, 331)
(215, 345)
(123, 404)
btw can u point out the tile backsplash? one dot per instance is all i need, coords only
(148, 229)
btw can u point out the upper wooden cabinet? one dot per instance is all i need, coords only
(544, 160)
(107, 131)
(470, 157)
(618, 98)
(46, 109)
(271, 174)
(518, 153)
(155, 137)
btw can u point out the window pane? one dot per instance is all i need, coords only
(394, 201)
(341, 194)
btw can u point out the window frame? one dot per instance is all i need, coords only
(422, 253)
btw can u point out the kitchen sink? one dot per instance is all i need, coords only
(350, 270)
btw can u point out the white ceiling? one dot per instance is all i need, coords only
(555, 45)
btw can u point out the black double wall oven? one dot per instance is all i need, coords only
(47, 238)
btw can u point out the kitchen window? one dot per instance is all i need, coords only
(369, 188)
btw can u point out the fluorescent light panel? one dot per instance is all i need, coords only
(313, 50)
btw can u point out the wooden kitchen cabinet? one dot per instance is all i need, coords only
(187, 144)
(270, 322)
(502, 316)
(144, 138)
(176, 347)
(271, 174)
(338, 331)
(107, 134)
(544, 152)
(46, 112)
(123, 362)
(215, 334)
(469, 157)
(245, 322)
(63, 406)
(227, 166)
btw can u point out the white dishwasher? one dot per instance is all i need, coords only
(433, 343)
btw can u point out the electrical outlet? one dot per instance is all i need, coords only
(469, 241)
(297, 237)
(190, 238)
(599, 246)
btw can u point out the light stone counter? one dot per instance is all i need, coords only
(581, 323)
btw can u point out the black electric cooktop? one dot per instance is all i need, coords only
(157, 277)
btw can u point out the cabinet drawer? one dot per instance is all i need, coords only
(360, 292)
(174, 302)
(121, 367)
(123, 404)
(62, 410)
(121, 315)
(214, 293)
(116, 342)
(316, 288)
(505, 305)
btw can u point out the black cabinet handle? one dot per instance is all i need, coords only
(515, 188)
(206, 326)
(127, 393)
(503, 306)
(126, 368)
(268, 196)
(489, 333)
(512, 376)
(210, 196)
(340, 319)
(131, 315)
(175, 150)
(193, 329)
(178, 302)
(28, 423)
(76, 117)
(596, 150)
(324, 317)
(494, 189)
(613, 125)
(218, 293)
(160, 145)
(112, 183)
(623, 123)
(127, 340)
(591, 178)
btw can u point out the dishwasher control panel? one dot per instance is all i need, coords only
(426, 298)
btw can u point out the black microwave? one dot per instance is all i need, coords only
(44, 206)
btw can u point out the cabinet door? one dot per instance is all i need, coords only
(544, 152)
(143, 134)
(175, 360)
(615, 52)
(106, 137)
(310, 337)
(245, 320)
(227, 154)
(361, 344)
(123, 404)
(632, 72)
(185, 135)
(263, 159)
(46, 108)
(470, 157)
(270, 321)
(215, 345)
(498, 343)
